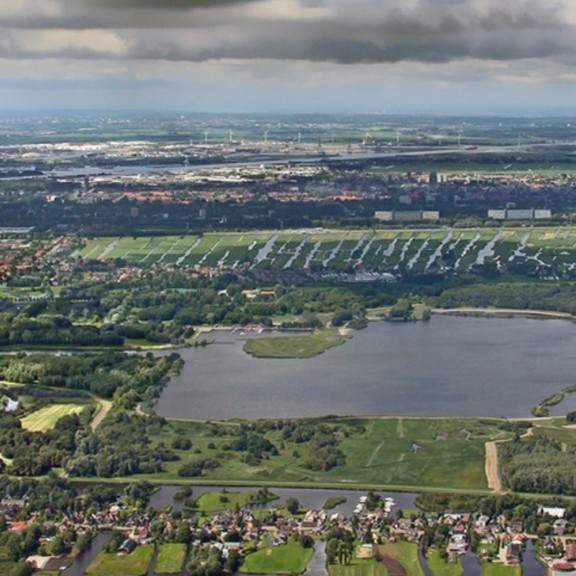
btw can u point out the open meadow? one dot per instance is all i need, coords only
(400, 453)
(111, 564)
(413, 250)
(290, 558)
(45, 419)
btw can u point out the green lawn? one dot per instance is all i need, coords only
(135, 564)
(288, 559)
(406, 553)
(171, 558)
(490, 569)
(440, 567)
(358, 568)
(294, 346)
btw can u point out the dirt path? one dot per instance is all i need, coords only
(491, 467)
(393, 567)
(105, 407)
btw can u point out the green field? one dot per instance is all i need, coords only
(406, 553)
(171, 558)
(216, 501)
(46, 418)
(288, 559)
(135, 564)
(413, 453)
(358, 568)
(380, 250)
(294, 346)
(440, 567)
(489, 569)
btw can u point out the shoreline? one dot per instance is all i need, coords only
(502, 312)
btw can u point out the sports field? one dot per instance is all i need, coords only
(46, 418)
(417, 250)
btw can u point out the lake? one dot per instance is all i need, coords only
(450, 366)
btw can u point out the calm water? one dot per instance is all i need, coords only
(449, 366)
(309, 498)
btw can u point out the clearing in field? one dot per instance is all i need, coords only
(46, 418)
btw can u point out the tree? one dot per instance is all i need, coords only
(292, 505)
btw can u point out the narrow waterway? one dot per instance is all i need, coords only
(81, 563)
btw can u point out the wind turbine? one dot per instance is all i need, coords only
(230, 134)
(206, 132)
(266, 136)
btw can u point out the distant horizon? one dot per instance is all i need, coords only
(529, 113)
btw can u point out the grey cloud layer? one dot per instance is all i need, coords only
(362, 31)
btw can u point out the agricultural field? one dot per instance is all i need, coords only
(405, 553)
(171, 558)
(45, 419)
(288, 559)
(358, 568)
(416, 251)
(134, 564)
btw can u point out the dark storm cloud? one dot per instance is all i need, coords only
(366, 31)
(161, 5)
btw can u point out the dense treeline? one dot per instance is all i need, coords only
(522, 296)
(538, 464)
(36, 453)
(128, 379)
(121, 446)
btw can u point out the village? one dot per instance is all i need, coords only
(236, 533)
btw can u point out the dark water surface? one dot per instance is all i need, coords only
(449, 366)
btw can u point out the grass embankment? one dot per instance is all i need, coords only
(299, 346)
(45, 419)
(440, 567)
(135, 564)
(358, 568)
(215, 501)
(404, 552)
(490, 569)
(288, 559)
(171, 558)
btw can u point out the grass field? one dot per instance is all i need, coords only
(46, 418)
(135, 564)
(215, 501)
(288, 559)
(382, 250)
(171, 558)
(490, 569)
(358, 568)
(406, 553)
(440, 567)
(416, 453)
(294, 346)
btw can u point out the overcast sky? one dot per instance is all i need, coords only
(289, 55)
